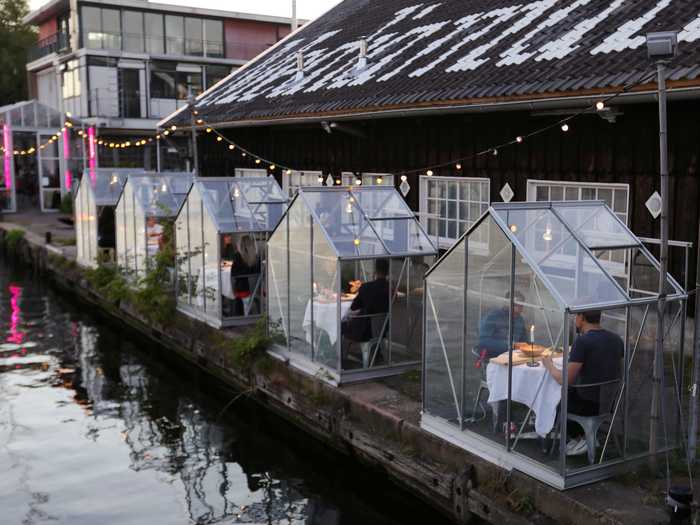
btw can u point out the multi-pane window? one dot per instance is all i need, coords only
(616, 196)
(70, 80)
(101, 28)
(169, 83)
(450, 205)
(369, 179)
(297, 179)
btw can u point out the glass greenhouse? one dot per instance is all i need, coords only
(221, 234)
(502, 310)
(146, 209)
(95, 198)
(345, 281)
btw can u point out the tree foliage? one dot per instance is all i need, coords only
(16, 39)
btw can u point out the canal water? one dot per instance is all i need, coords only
(96, 427)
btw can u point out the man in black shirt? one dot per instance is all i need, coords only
(595, 358)
(372, 299)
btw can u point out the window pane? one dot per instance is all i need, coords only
(193, 36)
(111, 27)
(154, 38)
(92, 27)
(542, 193)
(133, 31)
(214, 34)
(571, 194)
(188, 84)
(605, 195)
(557, 193)
(162, 82)
(174, 33)
(620, 198)
(588, 194)
(216, 73)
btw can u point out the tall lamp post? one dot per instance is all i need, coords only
(661, 48)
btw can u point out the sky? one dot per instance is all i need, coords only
(306, 9)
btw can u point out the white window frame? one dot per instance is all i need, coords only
(617, 268)
(247, 173)
(298, 179)
(446, 242)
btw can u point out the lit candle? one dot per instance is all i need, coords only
(532, 334)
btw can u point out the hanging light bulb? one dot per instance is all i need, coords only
(458, 166)
(272, 167)
(338, 182)
(565, 127)
(380, 180)
(429, 173)
(219, 139)
(236, 193)
(200, 121)
(404, 178)
(320, 179)
(244, 154)
(257, 161)
(514, 228)
(356, 242)
(494, 152)
(600, 105)
(166, 133)
(358, 182)
(519, 139)
(289, 172)
(173, 127)
(231, 147)
(209, 130)
(547, 235)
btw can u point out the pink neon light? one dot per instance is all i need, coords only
(15, 336)
(7, 157)
(92, 154)
(66, 156)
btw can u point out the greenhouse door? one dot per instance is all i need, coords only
(49, 175)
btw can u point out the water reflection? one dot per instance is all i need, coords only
(96, 428)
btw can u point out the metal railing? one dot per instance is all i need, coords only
(51, 44)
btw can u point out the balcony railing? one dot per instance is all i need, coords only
(55, 43)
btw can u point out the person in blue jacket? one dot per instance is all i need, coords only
(493, 329)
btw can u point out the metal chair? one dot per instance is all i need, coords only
(379, 326)
(609, 390)
(481, 362)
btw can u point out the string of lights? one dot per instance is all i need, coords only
(564, 124)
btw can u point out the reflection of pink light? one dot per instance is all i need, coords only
(92, 153)
(7, 157)
(16, 336)
(66, 156)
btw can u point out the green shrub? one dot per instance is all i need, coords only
(246, 349)
(13, 237)
(67, 204)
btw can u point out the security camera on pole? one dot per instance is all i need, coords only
(661, 47)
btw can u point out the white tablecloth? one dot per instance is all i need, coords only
(526, 390)
(212, 275)
(325, 317)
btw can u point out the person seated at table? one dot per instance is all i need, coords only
(493, 329)
(154, 235)
(595, 358)
(228, 252)
(372, 299)
(244, 264)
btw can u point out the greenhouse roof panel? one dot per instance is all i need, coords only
(243, 205)
(367, 222)
(596, 225)
(107, 184)
(155, 195)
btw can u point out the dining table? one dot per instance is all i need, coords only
(532, 386)
(325, 315)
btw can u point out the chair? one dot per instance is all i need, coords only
(609, 391)
(481, 362)
(379, 326)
